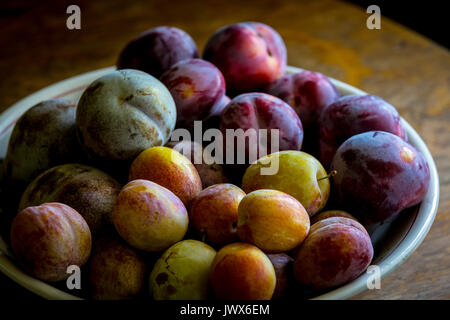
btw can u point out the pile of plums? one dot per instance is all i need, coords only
(102, 185)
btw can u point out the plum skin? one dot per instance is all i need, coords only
(46, 131)
(47, 239)
(89, 191)
(353, 114)
(249, 54)
(210, 174)
(378, 175)
(116, 271)
(262, 111)
(122, 114)
(307, 92)
(214, 213)
(155, 50)
(196, 86)
(332, 255)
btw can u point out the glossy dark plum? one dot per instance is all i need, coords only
(156, 50)
(197, 86)
(250, 55)
(213, 119)
(261, 111)
(378, 175)
(307, 92)
(354, 114)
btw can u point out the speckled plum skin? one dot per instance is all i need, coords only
(91, 192)
(214, 213)
(354, 114)
(123, 113)
(43, 137)
(49, 238)
(170, 169)
(196, 86)
(149, 217)
(262, 111)
(378, 175)
(250, 55)
(156, 50)
(307, 92)
(116, 271)
(332, 255)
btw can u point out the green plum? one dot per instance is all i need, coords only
(299, 174)
(182, 272)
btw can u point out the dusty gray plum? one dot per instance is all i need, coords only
(124, 113)
(89, 191)
(43, 137)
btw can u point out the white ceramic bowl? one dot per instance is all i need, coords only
(393, 241)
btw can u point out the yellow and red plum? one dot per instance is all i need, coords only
(354, 114)
(170, 169)
(209, 171)
(49, 238)
(333, 254)
(250, 55)
(116, 271)
(378, 175)
(149, 217)
(156, 50)
(272, 220)
(197, 86)
(214, 213)
(241, 271)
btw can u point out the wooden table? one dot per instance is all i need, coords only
(395, 63)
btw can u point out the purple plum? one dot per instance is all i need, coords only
(378, 174)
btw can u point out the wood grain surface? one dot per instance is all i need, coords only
(331, 37)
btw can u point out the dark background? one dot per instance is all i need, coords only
(429, 18)
(426, 17)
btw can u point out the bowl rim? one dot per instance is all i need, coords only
(411, 240)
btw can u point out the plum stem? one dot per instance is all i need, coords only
(331, 174)
(204, 237)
